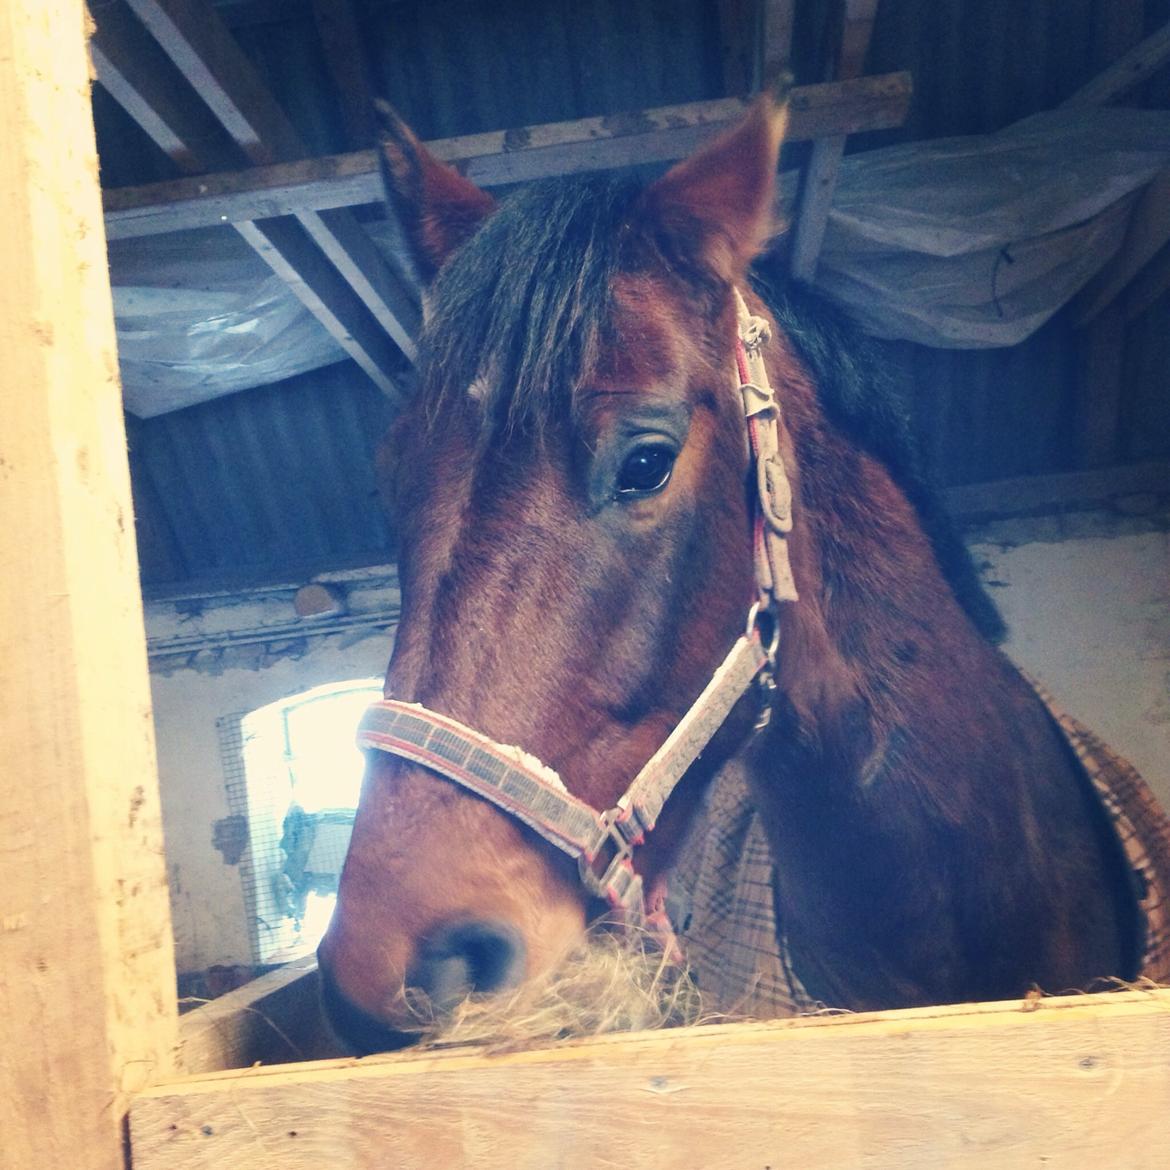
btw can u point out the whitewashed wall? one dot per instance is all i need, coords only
(1089, 615)
(272, 656)
(1087, 597)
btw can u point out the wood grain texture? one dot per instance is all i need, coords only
(1080, 1083)
(273, 1019)
(497, 157)
(87, 1012)
(820, 177)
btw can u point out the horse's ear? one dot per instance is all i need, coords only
(719, 201)
(437, 207)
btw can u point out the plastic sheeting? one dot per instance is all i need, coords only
(200, 315)
(976, 242)
(964, 242)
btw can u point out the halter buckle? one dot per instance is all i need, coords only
(617, 882)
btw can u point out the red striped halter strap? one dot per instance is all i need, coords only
(602, 842)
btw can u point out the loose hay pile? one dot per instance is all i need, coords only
(613, 983)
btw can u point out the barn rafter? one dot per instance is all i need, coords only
(325, 256)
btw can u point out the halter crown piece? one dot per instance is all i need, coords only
(602, 842)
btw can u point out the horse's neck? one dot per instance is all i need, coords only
(877, 624)
(919, 805)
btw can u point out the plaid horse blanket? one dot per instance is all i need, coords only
(720, 896)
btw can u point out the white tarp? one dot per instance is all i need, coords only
(975, 242)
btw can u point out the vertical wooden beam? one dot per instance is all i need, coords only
(87, 992)
(779, 20)
(820, 177)
(345, 56)
(738, 40)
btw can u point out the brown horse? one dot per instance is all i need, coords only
(576, 510)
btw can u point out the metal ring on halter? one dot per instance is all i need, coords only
(755, 625)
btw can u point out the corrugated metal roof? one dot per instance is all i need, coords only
(264, 482)
(281, 476)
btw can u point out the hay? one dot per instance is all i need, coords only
(613, 983)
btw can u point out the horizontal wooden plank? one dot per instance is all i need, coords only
(499, 157)
(1080, 1082)
(272, 1019)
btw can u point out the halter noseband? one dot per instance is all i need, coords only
(602, 843)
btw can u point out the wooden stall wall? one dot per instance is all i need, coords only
(87, 1012)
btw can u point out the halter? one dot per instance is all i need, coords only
(602, 842)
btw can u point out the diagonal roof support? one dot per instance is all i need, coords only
(327, 259)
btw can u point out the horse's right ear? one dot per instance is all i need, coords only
(437, 207)
(718, 203)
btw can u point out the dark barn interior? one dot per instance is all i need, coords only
(262, 359)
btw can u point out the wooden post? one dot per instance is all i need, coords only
(87, 1000)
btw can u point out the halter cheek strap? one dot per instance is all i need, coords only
(602, 842)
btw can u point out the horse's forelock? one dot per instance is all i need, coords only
(518, 313)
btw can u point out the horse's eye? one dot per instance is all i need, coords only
(646, 469)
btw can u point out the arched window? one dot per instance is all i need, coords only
(294, 778)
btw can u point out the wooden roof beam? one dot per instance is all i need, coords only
(348, 65)
(663, 134)
(1136, 66)
(776, 36)
(210, 61)
(820, 178)
(207, 54)
(142, 79)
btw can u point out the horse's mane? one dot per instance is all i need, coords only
(521, 308)
(859, 396)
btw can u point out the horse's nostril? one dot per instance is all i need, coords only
(467, 957)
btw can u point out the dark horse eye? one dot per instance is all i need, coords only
(646, 469)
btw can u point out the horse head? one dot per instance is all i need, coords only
(571, 488)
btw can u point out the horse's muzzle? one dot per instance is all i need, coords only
(358, 1031)
(466, 957)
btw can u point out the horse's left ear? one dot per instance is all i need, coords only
(721, 198)
(437, 207)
